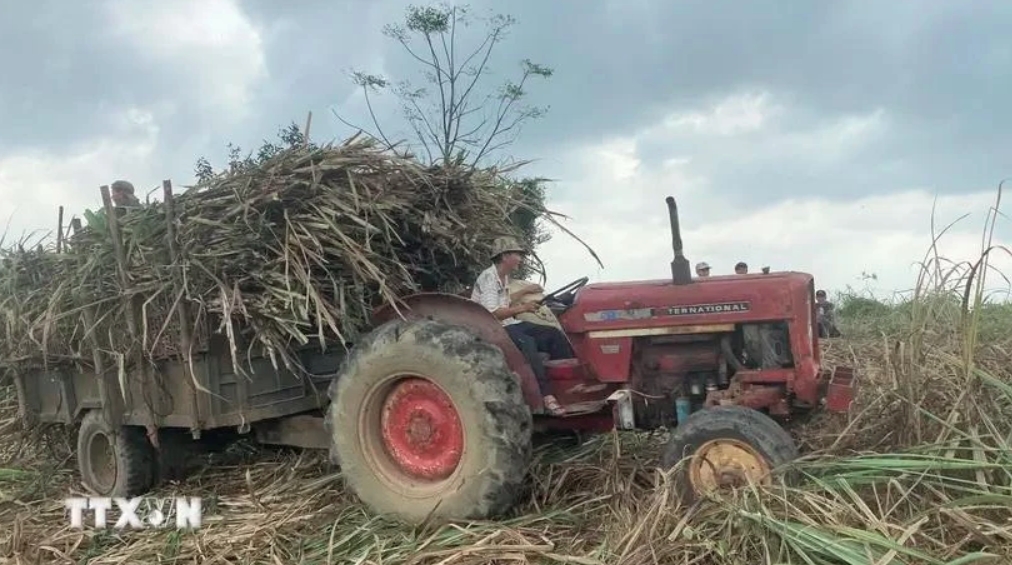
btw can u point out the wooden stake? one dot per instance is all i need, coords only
(185, 339)
(305, 132)
(133, 315)
(59, 232)
(112, 403)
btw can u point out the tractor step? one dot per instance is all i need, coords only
(583, 408)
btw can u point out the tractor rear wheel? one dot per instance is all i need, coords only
(726, 447)
(116, 461)
(427, 421)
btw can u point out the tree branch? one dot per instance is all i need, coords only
(498, 123)
(375, 121)
(418, 132)
(421, 117)
(451, 114)
(442, 100)
(412, 53)
(353, 126)
(492, 39)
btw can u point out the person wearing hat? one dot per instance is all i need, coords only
(702, 269)
(825, 315)
(741, 268)
(123, 194)
(491, 290)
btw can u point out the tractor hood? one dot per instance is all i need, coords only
(711, 300)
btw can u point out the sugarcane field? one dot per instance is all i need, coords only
(331, 283)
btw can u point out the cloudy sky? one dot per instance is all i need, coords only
(811, 136)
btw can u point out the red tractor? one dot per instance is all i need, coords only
(432, 414)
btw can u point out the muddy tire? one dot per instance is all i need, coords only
(428, 422)
(115, 461)
(725, 447)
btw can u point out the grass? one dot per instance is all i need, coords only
(919, 473)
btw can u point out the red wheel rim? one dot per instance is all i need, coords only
(421, 430)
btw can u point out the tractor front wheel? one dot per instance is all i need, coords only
(427, 421)
(726, 447)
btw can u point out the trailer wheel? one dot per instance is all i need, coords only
(726, 447)
(114, 460)
(427, 421)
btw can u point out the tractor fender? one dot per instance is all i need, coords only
(461, 311)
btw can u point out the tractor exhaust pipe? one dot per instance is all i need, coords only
(680, 272)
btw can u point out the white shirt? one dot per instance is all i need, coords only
(492, 293)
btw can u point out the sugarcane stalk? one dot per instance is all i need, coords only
(133, 315)
(182, 309)
(301, 247)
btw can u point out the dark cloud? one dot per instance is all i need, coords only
(51, 92)
(935, 69)
(68, 77)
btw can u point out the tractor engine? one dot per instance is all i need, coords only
(675, 373)
(662, 349)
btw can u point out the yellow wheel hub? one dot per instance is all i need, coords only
(726, 463)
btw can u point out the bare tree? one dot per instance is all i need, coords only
(453, 117)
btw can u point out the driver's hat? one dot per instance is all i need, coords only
(506, 245)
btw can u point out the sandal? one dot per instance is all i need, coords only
(553, 406)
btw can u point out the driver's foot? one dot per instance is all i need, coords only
(553, 406)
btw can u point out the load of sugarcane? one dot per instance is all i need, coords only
(299, 249)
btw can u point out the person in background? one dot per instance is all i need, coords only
(491, 290)
(741, 268)
(825, 315)
(702, 269)
(123, 194)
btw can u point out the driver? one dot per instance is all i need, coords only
(491, 291)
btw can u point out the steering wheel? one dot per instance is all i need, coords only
(569, 289)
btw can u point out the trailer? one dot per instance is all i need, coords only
(132, 411)
(122, 429)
